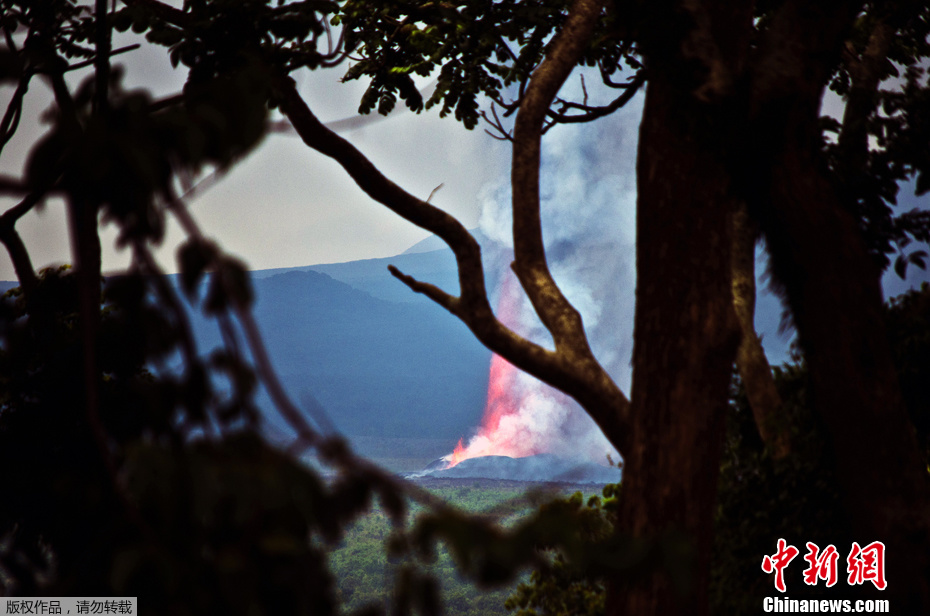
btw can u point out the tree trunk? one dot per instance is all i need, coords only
(833, 290)
(685, 342)
(753, 366)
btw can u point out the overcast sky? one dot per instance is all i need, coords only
(286, 205)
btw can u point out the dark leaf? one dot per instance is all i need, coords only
(194, 256)
(923, 183)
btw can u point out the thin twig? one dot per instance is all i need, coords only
(115, 52)
(497, 124)
(434, 191)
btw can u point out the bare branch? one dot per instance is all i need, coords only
(557, 314)
(12, 215)
(205, 184)
(381, 189)
(592, 113)
(337, 52)
(433, 292)
(8, 36)
(63, 98)
(115, 52)
(502, 134)
(433, 192)
(14, 112)
(19, 255)
(590, 384)
(511, 107)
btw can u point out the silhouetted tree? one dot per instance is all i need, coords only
(730, 121)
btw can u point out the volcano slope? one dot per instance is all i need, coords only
(542, 468)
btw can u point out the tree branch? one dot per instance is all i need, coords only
(13, 186)
(590, 383)
(751, 362)
(22, 264)
(381, 189)
(433, 292)
(500, 132)
(115, 52)
(557, 314)
(572, 367)
(591, 113)
(14, 112)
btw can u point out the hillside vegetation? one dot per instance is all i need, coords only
(365, 574)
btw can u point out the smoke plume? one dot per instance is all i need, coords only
(588, 199)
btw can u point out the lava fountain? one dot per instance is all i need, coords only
(588, 204)
(520, 414)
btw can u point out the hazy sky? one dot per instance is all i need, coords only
(286, 205)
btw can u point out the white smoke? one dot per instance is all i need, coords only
(588, 197)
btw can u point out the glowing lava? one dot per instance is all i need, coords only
(509, 426)
(457, 455)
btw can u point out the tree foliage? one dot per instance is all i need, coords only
(478, 49)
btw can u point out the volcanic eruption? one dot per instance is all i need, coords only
(521, 415)
(588, 209)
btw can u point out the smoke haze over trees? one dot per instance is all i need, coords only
(169, 492)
